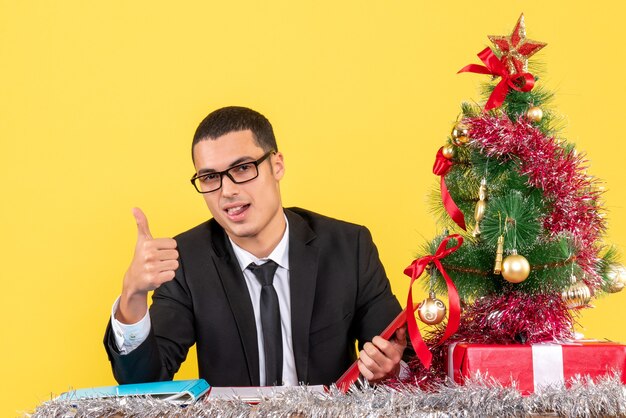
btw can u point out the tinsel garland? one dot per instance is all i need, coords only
(516, 317)
(556, 170)
(480, 397)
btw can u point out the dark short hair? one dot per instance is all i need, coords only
(233, 119)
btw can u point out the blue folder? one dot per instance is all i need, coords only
(180, 391)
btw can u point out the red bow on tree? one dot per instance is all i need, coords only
(414, 271)
(495, 67)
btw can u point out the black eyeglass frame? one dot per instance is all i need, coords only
(226, 173)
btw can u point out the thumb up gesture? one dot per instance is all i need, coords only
(154, 263)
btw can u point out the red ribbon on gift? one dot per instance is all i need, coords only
(414, 271)
(441, 168)
(495, 67)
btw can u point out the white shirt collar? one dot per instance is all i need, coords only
(280, 254)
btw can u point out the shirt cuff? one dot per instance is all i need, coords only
(129, 336)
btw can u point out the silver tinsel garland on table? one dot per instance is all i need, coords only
(605, 397)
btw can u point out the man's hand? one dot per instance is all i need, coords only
(154, 263)
(380, 359)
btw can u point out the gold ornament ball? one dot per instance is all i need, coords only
(535, 114)
(431, 311)
(460, 134)
(515, 268)
(617, 278)
(577, 295)
(448, 152)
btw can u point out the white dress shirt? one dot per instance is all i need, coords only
(129, 337)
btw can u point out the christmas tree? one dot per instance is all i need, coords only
(525, 254)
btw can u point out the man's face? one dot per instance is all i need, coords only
(251, 210)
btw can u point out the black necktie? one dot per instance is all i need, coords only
(270, 321)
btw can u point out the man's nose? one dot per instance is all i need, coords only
(229, 187)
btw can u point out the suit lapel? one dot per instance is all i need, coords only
(303, 260)
(238, 297)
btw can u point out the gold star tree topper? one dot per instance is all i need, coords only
(515, 49)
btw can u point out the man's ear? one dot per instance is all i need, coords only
(278, 165)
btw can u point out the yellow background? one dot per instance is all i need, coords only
(99, 101)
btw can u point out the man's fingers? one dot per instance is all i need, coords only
(379, 361)
(160, 244)
(157, 267)
(380, 358)
(389, 349)
(167, 255)
(367, 365)
(165, 276)
(373, 364)
(143, 231)
(399, 338)
(168, 265)
(400, 334)
(364, 370)
(156, 250)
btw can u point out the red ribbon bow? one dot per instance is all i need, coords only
(414, 271)
(495, 67)
(440, 168)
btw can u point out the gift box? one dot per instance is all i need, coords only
(532, 366)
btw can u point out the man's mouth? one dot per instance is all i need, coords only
(235, 211)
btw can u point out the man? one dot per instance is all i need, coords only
(268, 295)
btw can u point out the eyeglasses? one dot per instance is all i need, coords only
(240, 173)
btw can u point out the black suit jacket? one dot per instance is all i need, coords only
(339, 294)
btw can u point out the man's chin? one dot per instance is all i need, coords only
(240, 230)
